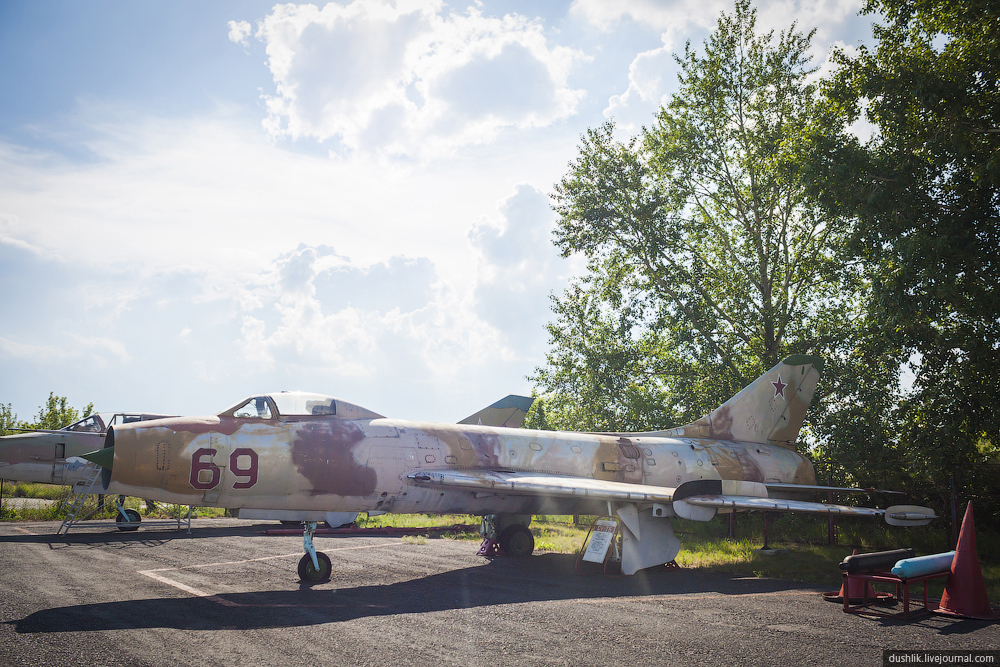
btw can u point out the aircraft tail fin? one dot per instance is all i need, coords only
(508, 411)
(769, 411)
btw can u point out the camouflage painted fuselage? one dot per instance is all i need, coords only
(41, 457)
(328, 463)
(54, 456)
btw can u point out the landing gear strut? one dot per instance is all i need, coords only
(314, 565)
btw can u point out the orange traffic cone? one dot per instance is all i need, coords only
(857, 590)
(965, 593)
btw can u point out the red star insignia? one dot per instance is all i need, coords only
(779, 388)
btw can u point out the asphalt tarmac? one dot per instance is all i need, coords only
(227, 595)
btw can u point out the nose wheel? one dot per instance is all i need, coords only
(128, 522)
(314, 565)
(309, 572)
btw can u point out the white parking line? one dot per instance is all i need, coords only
(154, 574)
(230, 562)
(175, 584)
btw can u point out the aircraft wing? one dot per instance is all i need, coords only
(541, 484)
(686, 501)
(897, 515)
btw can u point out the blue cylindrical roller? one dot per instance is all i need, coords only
(921, 565)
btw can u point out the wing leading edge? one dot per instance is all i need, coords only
(699, 500)
(541, 484)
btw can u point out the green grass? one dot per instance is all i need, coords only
(58, 494)
(414, 520)
(705, 546)
(32, 490)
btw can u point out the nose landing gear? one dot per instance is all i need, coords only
(315, 565)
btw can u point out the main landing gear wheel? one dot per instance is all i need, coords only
(517, 541)
(308, 572)
(131, 516)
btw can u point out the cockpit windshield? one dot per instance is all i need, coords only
(91, 424)
(304, 403)
(256, 408)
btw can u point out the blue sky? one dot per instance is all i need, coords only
(202, 201)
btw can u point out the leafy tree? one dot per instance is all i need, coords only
(925, 190)
(56, 413)
(708, 260)
(535, 418)
(598, 377)
(8, 420)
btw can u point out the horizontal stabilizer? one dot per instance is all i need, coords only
(540, 484)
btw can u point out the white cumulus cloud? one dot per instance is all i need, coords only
(520, 268)
(239, 31)
(410, 77)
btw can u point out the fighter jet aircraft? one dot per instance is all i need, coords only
(53, 456)
(49, 456)
(314, 454)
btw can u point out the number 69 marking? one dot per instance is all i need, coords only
(242, 463)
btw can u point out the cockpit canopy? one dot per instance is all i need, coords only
(91, 424)
(98, 423)
(296, 404)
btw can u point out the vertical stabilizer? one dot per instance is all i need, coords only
(509, 411)
(769, 411)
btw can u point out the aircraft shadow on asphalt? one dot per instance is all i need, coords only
(548, 577)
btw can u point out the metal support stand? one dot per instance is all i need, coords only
(618, 555)
(76, 503)
(831, 533)
(765, 547)
(902, 592)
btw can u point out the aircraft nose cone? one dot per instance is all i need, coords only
(102, 457)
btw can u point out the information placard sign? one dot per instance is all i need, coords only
(600, 540)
